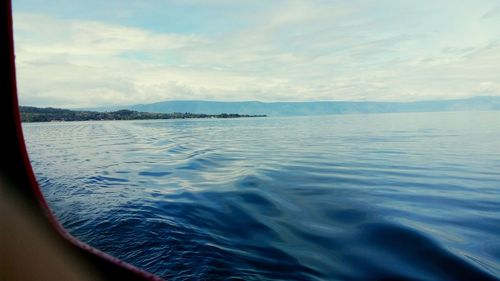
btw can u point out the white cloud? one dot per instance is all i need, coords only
(304, 50)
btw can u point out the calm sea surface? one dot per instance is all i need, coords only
(349, 197)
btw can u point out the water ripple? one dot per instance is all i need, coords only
(379, 197)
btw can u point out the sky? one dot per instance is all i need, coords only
(87, 53)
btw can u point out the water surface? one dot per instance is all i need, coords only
(411, 196)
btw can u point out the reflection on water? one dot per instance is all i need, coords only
(388, 196)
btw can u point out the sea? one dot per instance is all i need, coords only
(399, 196)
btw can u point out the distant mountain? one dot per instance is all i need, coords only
(313, 108)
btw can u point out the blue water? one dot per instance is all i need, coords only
(411, 196)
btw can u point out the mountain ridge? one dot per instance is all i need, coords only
(312, 107)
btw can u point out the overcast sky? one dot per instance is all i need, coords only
(84, 53)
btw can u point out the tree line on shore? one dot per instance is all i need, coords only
(37, 114)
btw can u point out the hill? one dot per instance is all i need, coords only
(314, 108)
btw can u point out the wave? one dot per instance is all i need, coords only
(283, 199)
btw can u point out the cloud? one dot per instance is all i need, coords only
(493, 12)
(286, 50)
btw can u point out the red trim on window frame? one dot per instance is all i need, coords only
(16, 167)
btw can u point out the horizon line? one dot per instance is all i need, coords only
(270, 102)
